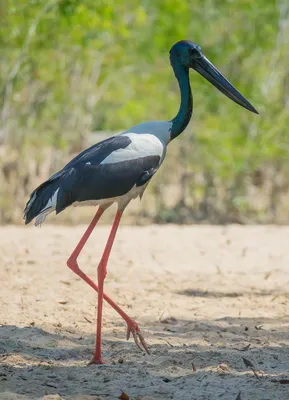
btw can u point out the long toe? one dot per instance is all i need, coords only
(138, 338)
(143, 342)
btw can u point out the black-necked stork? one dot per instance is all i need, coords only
(118, 169)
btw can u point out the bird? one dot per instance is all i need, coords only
(119, 169)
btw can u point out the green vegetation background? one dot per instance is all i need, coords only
(69, 68)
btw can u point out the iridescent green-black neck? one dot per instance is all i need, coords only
(181, 120)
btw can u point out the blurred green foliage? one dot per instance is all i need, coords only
(71, 67)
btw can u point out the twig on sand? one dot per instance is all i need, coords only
(250, 365)
(239, 396)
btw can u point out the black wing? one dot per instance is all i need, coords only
(84, 178)
(96, 153)
(104, 181)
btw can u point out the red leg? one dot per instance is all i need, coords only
(132, 326)
(102, 270)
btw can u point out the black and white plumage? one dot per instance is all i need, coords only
(118, 170)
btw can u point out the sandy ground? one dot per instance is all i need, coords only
(205, 298)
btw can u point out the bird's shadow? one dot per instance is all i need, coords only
(218, 295)
(35, 362)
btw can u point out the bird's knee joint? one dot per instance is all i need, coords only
(72, 264)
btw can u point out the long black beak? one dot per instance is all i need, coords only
(204, 67)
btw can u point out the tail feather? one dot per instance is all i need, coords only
(43, 200)
(41, 217)
(54, 194)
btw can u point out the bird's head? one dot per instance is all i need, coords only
(190, 55)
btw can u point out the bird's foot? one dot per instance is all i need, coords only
(96, 360)
(133, 328)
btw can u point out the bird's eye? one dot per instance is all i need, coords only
(195, 53)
